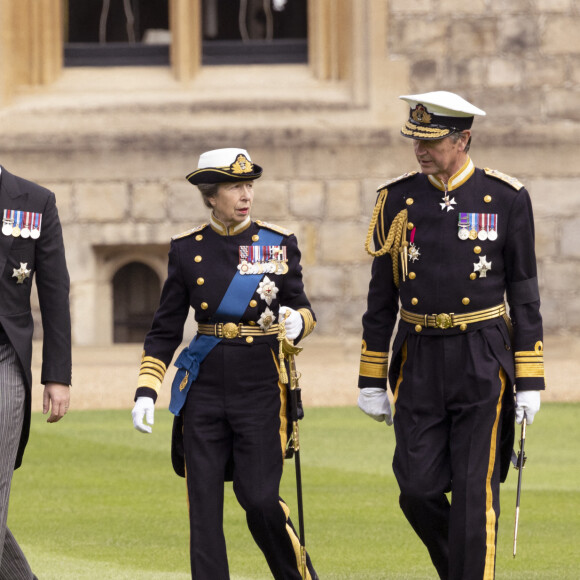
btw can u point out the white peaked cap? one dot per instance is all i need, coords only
(443, 103)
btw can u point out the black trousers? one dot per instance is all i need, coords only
(448, 413)
(237, 409)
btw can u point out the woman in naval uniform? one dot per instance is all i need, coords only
(239, 275)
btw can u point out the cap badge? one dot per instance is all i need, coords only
(241, 165)
(421, 115)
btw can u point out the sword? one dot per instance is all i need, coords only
(288, 351)
(519, 463)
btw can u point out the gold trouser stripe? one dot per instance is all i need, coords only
(295, 541)
(490, 515)
(430, 320)
(400, 379)
(283, 409)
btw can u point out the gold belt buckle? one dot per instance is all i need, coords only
(230, 330)
(443, 321)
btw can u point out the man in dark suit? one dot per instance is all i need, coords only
(30, 243)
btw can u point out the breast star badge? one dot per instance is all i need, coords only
(482, 267)
(267, 290)
(22, 273)
(447, 203)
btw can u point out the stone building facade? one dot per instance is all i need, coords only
(115, 144)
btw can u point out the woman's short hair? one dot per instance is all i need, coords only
(207, 190)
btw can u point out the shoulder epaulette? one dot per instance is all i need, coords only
(516, 184)
(397, 179)
(189, 232)
(274, 228)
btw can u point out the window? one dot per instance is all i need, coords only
(116, 33)
(254, 31)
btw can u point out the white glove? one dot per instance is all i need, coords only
(278, 5)
(374, 401)
(143, 409)
(293, 321)
(528, 404)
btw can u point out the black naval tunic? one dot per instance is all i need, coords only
(456, 355)
(235, 412)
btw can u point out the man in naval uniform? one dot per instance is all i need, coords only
(240, 276)
(31, 247)
(450, 242)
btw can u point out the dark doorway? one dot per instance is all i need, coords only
(136, 291)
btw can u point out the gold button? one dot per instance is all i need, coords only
(472, 276)
(252, 323)
(249, 339)
(463, 327)
(410, 225)
(410, 201)
(199, 237)
(412, 275)
(253, 303)
(477, 250)
(204, 305)
(414, 301)
(487, 198)
(255, 238)
(200, 281)
(418, 328)
(466, 301)
(198, 259)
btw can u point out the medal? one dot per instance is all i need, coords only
(492, 227)
(17, 224)
(463, 232)
(262, 260)
(447, 203)
(473, 230)
(483, 267)
(36, 221)
(413, 249)
(7, 222)
(22, 273)
(267, 290)
(25, 231)
(482, 234)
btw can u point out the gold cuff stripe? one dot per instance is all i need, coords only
(374, 360)
(529, 371)
(309, 322)
(154, 362)
(150, 382)
(375, 371)
(375, 353)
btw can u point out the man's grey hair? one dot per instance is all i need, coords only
(455, 137)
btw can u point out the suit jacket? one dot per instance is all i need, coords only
(44, 258)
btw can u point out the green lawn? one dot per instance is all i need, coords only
(97, 500)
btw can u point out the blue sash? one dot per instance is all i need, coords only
(231, 309)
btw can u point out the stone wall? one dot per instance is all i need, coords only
(117, 157)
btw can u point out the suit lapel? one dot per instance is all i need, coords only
(9, 192)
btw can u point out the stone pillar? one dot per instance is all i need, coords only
(329, 38)
(31, 43)
(186, 27)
